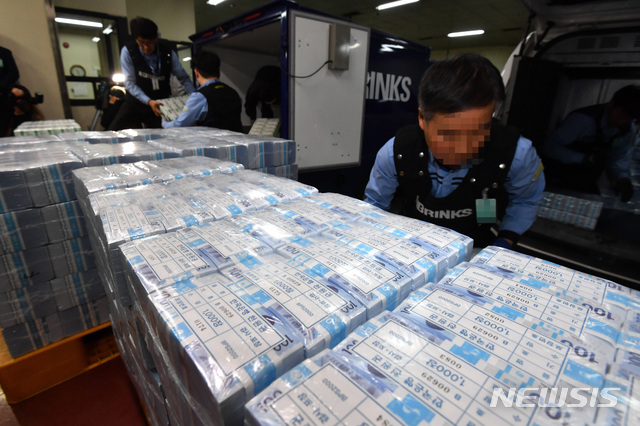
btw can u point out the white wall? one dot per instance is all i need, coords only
(176, 19)
(239, 68)
(24, 30)
(82, 51)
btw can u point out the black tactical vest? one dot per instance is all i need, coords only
(224, 107)
(155, 83)
(456, 211)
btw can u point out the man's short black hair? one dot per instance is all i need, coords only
(460, 83)
(207, 64)
(628, 98)
(143, 28)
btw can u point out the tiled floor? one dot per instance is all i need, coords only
(103, 395)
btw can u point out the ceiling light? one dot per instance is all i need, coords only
(188, 58)
(390, 47)
(394, 4)
(95, 39)
(466, 33)
(79, 22)
(108, 30)
(214, 2)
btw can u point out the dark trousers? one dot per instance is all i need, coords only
(133, 114)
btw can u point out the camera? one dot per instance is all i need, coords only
(25, 101)
(37, 98)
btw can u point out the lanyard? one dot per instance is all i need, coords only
(158, 69)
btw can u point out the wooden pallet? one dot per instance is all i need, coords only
(37, 371)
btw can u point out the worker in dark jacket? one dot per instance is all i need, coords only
(147, 63)
(214, 104)
(264, 90)
(457, 167)
(593, 139)
(9, 76)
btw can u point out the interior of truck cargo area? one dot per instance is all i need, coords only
(609, 251)
(579, 55)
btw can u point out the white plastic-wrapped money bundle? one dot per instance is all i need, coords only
(483, 346)
(487, 305)
(375, 285)
(265, 127)
(568, 283)
(171, 108)
(621, 380)
(201, 145)
(63, 221)
(314, 312)
(124, 215)
(328, 390)
(46, 127)
(21, 230)
(105, 136)
(36, 178)
(26, 143)
(289, 171)
(269, 152)
(449, 374)
(213, 347)
(301, 242)
(76, 289)
(185, 202)
(455, 246)
(43, 242)
(114, 176)
(144, 135)
(127, 152)
(577, 211)
(319, 286)
(253, 152)
(30, 315)
(32, 334)
(612, 307)
(104, 178)
(421, 263)
(180, 168)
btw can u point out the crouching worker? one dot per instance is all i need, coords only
(457, 167)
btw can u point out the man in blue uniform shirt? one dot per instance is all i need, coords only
(147, 63)
(593, 139)
(458, 168)
(214, 104)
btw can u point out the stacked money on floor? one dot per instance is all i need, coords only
(505, 339)
(46, 127)
(207, 190)
(227, 306)
(49, 285)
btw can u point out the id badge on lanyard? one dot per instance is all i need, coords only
(486, 208)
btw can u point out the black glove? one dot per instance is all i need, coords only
(502, 242)
(625, 189)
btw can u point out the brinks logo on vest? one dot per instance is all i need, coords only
(554, 397)
(388, 87)
(442, 214)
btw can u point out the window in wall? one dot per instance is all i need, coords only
(89, 45)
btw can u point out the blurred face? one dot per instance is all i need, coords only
(455, 139)
(147, 45)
